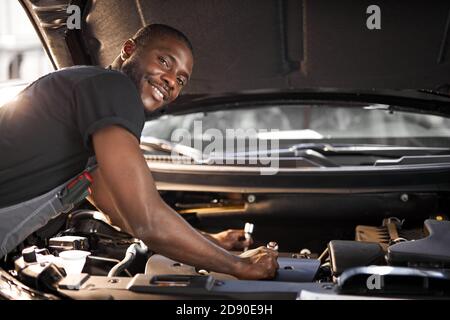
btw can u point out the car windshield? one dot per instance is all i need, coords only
(292, 124)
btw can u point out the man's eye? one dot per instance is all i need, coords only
(181, 82)
(164, 62)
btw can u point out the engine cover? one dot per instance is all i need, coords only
(431, 251)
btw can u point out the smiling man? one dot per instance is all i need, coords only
(59, 122)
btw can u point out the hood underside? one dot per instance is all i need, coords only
(271, 44)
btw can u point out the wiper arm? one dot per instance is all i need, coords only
(148, 143)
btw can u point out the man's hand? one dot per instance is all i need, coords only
(259, 263)
(232, 239)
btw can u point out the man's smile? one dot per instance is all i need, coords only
(159, 93)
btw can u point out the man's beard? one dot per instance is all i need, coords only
(134, 71)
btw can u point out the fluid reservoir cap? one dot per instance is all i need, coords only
(29, 254)
(248, 228)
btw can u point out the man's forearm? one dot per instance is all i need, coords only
(176, 239)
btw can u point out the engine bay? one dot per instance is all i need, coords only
(400, 256)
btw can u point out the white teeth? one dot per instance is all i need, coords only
(158, 92)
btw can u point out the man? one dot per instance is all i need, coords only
(65, 118)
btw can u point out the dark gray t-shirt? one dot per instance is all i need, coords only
(45, 134)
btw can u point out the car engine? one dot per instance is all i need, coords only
(387, 260)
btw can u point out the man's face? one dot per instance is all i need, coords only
(160, 71)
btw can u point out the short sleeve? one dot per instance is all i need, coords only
(107, 99)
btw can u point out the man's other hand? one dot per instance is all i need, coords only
(259, 263)
(232, 239)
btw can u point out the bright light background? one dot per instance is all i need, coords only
(22, 58)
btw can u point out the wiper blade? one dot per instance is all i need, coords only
(367, 149)
(415, 160)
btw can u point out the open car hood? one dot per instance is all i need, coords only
(270, 45)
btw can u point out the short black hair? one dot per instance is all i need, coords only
(155, 31)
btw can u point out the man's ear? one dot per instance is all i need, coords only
(127, 49)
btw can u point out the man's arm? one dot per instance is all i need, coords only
(141, 211)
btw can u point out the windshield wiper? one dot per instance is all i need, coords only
(367, 149)
(318, 154)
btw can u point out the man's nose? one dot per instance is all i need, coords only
(170, 79)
